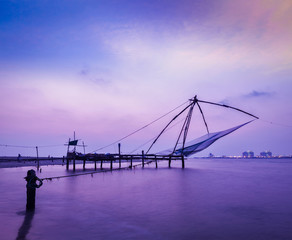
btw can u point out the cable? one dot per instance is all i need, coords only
(224, 105)
(99, 171)
(115, 142)
(274, 123)
(155, 137)
(17, 146)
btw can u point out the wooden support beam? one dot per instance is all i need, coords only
(74, 166)
(67, 163)
(183, 161)
(120, 163)
(37, 152)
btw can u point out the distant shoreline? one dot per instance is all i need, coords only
(12, 162)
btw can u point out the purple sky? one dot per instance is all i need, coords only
(106, 68)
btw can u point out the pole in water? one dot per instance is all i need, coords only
(37, 152)
(183, 161)
(119, 145)
(31, 186)
(67, 163)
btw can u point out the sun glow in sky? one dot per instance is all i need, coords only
(106, 68)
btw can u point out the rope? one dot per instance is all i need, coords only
(117, 141)
(19, 146)
(99, 171)
(274, 123)
(155, 137)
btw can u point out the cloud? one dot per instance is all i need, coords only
(255, 93)
(92, 76)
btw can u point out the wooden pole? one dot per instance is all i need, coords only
(67, 159)
(84, 160)
(83, 147)
(120, 163)
(142, 158)
(183, 161)
(95, 165)
(169, 161)
(74, 162)
(156, 162)
(131, 166)
(101, 164)
(74, 150)
(31, 186)
(67, 163)
(111, 164)
(37, 152)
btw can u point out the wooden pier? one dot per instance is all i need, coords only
(119, 158)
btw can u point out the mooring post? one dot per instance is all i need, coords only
(169, 161)
(142, 158)
(183, 161)
(84, 160)
(37, 152)
(31, 186)
(67, 163)
(156, 162)
(74, 162)
(120, 163)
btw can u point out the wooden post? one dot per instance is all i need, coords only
(31, 186)
(169, 161)
(156, 162)
(37, 152)
(63, 159)
(83, 147)
(120, 164)
(111, 164)
(131, 166)
(183, 161)
(95, 165)
(67, 163)
(101, 164)
(84, 160)
(142, 158)
(74, 163)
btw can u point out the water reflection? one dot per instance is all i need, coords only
(26, 225)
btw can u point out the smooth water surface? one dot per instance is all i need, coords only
(209, 199)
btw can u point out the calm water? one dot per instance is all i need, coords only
(210, 199)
